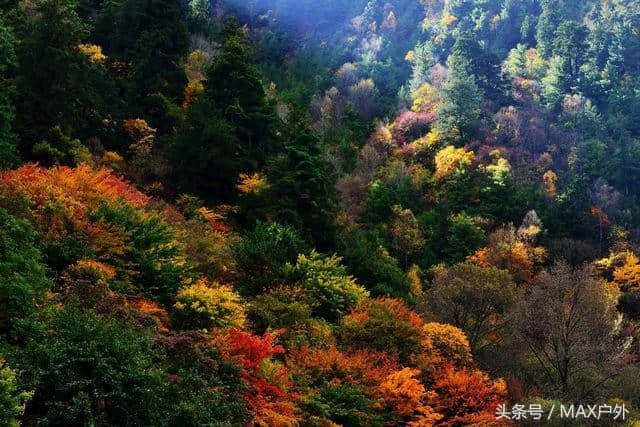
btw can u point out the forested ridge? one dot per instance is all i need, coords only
(318, 213)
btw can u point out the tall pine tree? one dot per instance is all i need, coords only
(229, 129)
(460, 110)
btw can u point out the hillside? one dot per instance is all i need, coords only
(304, 213)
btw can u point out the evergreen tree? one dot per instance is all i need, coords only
(234, 85)
(547, 24)
(570, 44)
(229, 129)
(460, 111)
(54, 86)
(149, 36)
(554, 84)
(8, 140)
(300, 183)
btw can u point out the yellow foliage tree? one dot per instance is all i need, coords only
(550, 180)
(205, 306)
(448, 341)
(627, 276)
(252, 184)
(448, 19)
(451, 159)
(426, 99)
(93, 52)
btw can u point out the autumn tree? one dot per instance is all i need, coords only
(507, 250)
(383, 324)
(567, 322)
(450, 160)
(467, 396)
(406, 238)
(267, 380)
(205, 306)
(474, 299)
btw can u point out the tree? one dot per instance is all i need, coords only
(301, 186)
(88, 370)
(554, 84)
(570, 44)
(404, 231)
(568, 324)
(205, 306)
(22, 273)
(12, 400)
(234, 84)
(8, 64)
(386, 325)
(474, 299)
(229, 129)
(154, 254)
(460, 109)
(58, 93)
(266, 380)
(507, 250)
(450, 160)
(547, 24)
(151, 38)
(372, 265)
(467, 396)
(288, 308)
(262, 256)
(333, 293)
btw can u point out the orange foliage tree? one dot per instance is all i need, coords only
(403, 394)
(60, 196)
(507, 251)
(467, 396)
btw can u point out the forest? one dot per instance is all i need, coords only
(319, 213)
